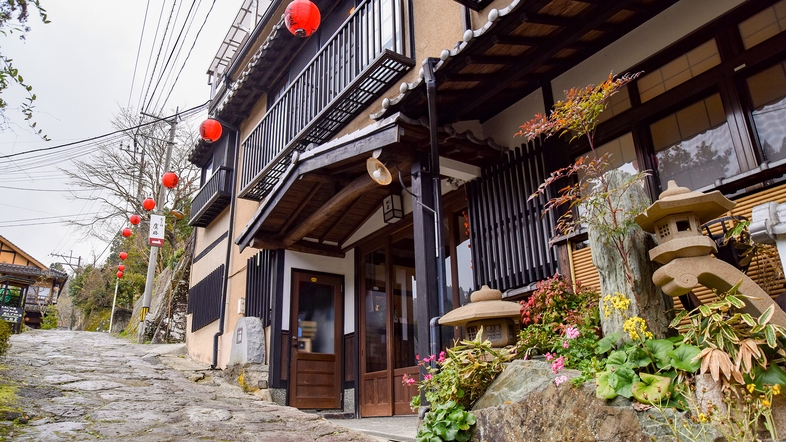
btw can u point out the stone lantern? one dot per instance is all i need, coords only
(500, 319)
(685, 253)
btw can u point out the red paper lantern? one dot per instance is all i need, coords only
(302, 18)
(119, 274)
(210, 130)
(149, 204)
(169, 180)
(121, 267)
(126, 232)
(123, 256)
(135, 219)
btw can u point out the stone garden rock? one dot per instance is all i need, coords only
(524, 404)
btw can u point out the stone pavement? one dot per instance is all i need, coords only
(76, 386)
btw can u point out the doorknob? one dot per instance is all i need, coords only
(294, 341)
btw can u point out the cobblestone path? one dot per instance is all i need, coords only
(92, 386)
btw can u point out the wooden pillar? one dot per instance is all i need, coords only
(425, 251)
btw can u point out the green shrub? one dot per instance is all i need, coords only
(446, 422)
(49, 321)
(5, 334)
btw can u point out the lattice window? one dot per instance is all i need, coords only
(663, 230)
(204, 299)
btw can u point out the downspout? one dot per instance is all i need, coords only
(232, 204)
(431, 94)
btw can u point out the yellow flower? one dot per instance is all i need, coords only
(751, 387)
(765, 402)
(702, 417)
(618, 302)
(776, 389)
(636, 328)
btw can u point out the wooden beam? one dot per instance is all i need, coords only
(563, 39)
(515, 40)
(339, 219)
(300, 207)
(335, 204)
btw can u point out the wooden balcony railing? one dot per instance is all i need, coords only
(360, 61)
(212, 198)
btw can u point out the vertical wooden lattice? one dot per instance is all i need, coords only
(204, 299)
(509, 235)
(259, 285)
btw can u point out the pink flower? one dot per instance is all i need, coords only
(560, 379)
(549, 356)
(407, 380)
(441, 357)
(417, 357)
(572, 332)
(427, 377)
(558, 364)
(565, 344)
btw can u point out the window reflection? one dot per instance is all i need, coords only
(693, 146)
(768, 94)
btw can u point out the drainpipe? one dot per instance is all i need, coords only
(431, 94)
(232, 204)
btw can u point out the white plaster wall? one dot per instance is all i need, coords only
(339, 266)
(504, 125)
(653, 36)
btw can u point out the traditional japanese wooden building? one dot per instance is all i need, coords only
(295, 229)
(27, 287)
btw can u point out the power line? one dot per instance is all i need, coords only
(196, 108)
(189, 53)
(158, 56)
(186, 28)
(45, 190)
(138, 51)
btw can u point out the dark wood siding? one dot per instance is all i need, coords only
(509, 234)
(204, 299)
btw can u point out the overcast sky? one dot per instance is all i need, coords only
(81, 67)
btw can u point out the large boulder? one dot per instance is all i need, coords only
(525, 404)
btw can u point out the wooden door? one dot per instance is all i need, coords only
(388, 328)
(316, 326)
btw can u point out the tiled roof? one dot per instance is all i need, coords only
(494, 16)
(16, 269)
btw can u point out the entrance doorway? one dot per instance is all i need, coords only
(316, 323)
(388, 326)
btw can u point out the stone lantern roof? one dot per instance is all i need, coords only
(486, 303)
(675, 199)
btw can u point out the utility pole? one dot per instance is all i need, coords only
(68, 259)
(151, 265)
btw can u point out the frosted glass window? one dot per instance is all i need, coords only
(768, 94)
(623, 154)
(618, 103)
(679, 70)
(763, 25)
(693, 146)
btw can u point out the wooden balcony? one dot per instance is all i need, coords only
(361, 60)
(212, 198)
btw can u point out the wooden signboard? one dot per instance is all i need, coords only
(11, 314)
